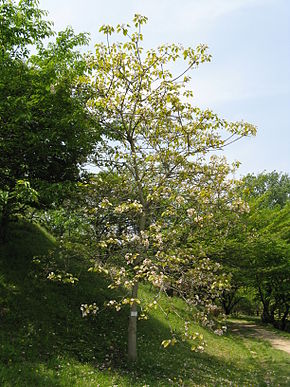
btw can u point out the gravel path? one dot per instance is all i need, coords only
(259, 332)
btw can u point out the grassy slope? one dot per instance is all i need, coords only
(45, 342)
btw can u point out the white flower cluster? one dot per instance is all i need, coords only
(63, 277)
(130, 206)
(130, 258)
(89, 309)
(198, 219)
(240, 205)
(191, 212)
(105, 203)
(180, 199)
(114, 304)
(220, 331)
(145, 239)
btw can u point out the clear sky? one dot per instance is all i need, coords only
(249, 76)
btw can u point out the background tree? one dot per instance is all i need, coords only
(256, 251)
(268, 248)
(46, 130)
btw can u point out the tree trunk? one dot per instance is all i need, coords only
(229, 302)
(266, 316)
(132, 328)
(283, 323)
(4, 220)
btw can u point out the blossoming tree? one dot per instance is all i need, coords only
(158, 144)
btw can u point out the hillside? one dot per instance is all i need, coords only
(45, 341)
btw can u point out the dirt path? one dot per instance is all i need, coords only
(256, 331)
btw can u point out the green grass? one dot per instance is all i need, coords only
(44, 341)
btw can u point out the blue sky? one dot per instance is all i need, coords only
(249, 76)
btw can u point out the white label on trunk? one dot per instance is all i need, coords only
(134, 314)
